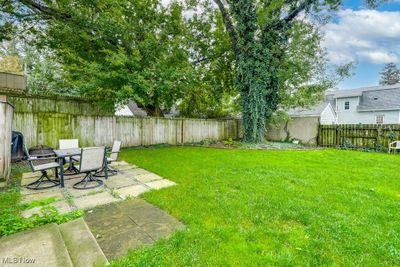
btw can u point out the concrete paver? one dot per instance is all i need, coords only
(131, 191)
(90, 201)
(160, 184)
(44, 246)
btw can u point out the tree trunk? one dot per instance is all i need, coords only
(152, 111)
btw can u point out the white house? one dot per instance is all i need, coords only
(370, 105)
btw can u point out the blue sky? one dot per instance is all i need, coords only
(369, 37)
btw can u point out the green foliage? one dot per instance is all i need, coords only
(391, 135)
(229, 142)
(212, 93)
(112, 51)
(38, 203)
(278, 59)
(11, 220)
(273, 208)
(390, 74)
(44, 73)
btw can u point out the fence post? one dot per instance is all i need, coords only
(182, 134)
(6, 118)
(378, 136)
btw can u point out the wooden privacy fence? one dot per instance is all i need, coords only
(358, 136)
(47, 128)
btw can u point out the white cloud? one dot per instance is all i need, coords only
(365, 36)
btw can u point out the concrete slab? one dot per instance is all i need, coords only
(160, 184)
(117, 229)
(134, 172)
(118, 181)
(119, 163)
(29, 175)
(119, 244)
(43, 245)
(158, 230)
(26, 181)
(80, 193)
(42, 195)
(81, 244)
(124, 167)
(61, 206)
(90, 201)
(131, 191)
(149, 177)
(142, 213)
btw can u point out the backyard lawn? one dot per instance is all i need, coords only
(262, 207)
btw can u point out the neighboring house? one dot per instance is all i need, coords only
(132, 109)
(370, 105)
(323, 111)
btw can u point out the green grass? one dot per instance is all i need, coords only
(247, 207)
(11, 220)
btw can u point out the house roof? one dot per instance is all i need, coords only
(359, 91)
(383, 99)
(308, 112)
(130, 109)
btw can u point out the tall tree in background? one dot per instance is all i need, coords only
(111, 50)
(390, 74)
(303, 73)
(45, 74)
(260, 34)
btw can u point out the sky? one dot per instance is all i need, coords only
(368, 37)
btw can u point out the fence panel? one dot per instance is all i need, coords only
(47, 128)
(358, 136)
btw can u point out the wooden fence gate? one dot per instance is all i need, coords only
(358, 136)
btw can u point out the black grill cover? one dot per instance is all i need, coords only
(17, 151)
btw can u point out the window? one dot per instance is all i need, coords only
(379, 119)
(346, 105)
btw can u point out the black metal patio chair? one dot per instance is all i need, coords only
(44, 180)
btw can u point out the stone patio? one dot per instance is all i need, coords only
(130, 181)
(111, 227)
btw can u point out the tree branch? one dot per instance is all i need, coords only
(229, 26)
(51, 12)
(296, 11)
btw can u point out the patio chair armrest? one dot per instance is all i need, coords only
(36, 158)
(45, 155)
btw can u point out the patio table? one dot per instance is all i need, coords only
(61, 155)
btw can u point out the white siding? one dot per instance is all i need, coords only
(352, 116)
(123, 111)
(328, 116)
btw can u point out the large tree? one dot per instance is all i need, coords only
(390, 74)
(111, 50)
(261, 33)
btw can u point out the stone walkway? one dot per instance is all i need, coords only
(114, 223)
